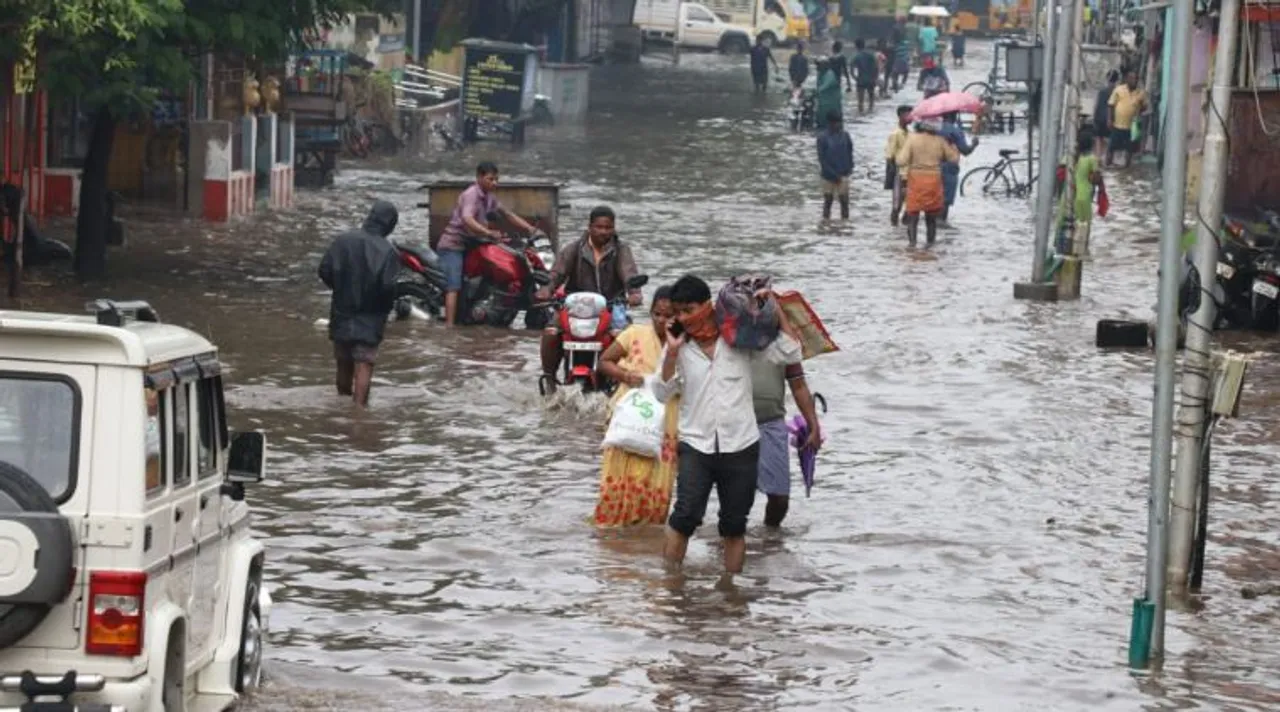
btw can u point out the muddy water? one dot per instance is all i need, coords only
(976, 533)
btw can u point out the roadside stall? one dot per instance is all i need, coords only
(535, 201)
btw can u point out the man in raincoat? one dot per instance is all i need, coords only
(361, 268)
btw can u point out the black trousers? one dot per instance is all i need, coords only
(731, 474)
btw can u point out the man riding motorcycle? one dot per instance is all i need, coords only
(470, 218)
(599, 262)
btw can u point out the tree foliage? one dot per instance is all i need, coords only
(115, 56)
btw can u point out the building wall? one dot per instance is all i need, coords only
(1252, 169)
(380, 41)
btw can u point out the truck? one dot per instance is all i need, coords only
(873, 19)
(991, 17)
(775, 21)
(689, 24)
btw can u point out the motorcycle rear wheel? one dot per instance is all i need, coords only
(423, 296)
(1266, 316)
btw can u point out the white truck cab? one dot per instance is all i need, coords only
(689, 24)
(129, 581)
(774, 22)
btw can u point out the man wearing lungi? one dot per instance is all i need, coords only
(769, 383)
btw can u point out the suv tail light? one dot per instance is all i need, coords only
(117, 606)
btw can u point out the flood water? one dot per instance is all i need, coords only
(976, 534)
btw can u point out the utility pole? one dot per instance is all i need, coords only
(1174, 188)
(1035, 39)
(1071, 121)
(1054, 80)
(1196, 360)
(417, 31)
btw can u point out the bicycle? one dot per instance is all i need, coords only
(1003, 176)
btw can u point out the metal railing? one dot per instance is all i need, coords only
(424, 86)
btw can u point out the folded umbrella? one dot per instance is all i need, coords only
(946, 103)
(808, 456)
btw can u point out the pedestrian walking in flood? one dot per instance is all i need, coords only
(719, 442)
(840, 65)
(829, 96)
(921, 160)
(1088, 183)
(899, 55)
(635, 489)
(883, 67)
(835, 164)
(952, 132)
(769, 383)
(928, 41)
(761, 58)
(957, 48)
(895, 179)
(1127, 102)
(933, 78)
(901, 61)
(866, 68)
(361, 267)
(1102, 113)
(798, 67)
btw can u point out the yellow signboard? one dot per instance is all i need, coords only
(24, 77)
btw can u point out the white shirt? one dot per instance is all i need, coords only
(716, 410)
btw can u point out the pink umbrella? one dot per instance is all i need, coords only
(945, 103)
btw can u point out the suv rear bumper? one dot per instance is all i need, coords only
(88, 693)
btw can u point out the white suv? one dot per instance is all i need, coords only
(128, 578)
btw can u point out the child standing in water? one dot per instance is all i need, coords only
(895, 179)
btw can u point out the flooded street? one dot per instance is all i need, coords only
(976, 534)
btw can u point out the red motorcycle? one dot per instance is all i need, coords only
(588, 325)
(499, 279)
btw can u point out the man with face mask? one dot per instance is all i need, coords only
(361, 268)
(598, 262)
(719, 441)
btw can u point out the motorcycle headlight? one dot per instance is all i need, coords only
(583, 328)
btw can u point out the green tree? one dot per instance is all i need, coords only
(116, 56)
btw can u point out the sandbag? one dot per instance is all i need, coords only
(638, 423)
(746, 322)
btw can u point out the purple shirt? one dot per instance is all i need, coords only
(475, 203)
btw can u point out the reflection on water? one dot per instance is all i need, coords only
(976, 533)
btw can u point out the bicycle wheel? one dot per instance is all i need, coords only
(981, 90)
(986, 181)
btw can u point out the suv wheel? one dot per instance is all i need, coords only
(20, 494)
(249, 663)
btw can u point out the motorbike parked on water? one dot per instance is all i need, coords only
(802, 109)
(1247, 279)
(588, 325)
(499, 279)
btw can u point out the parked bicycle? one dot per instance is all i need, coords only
(999, 179)
(361, 137)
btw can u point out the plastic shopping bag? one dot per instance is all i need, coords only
(638, 423)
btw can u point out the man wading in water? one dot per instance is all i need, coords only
(769, 383)
(719, 442)
(835, 165)
(361, 268)
(761, 57)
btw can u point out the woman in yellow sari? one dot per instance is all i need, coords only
(635, 489)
